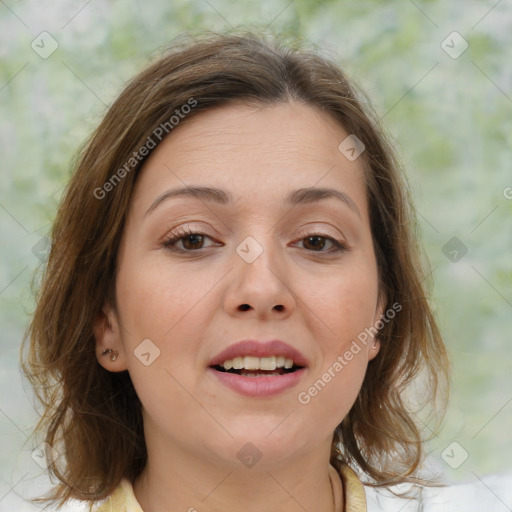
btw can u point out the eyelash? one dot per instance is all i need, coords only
(170, 242)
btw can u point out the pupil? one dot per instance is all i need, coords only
(195, 240)
(317, 238)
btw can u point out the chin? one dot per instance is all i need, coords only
(262, 445)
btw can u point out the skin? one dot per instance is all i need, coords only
(188, 306)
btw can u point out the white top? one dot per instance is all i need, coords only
(491, 493)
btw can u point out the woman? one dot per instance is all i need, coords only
(233, 306)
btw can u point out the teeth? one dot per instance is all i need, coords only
(268, 363)
(251, 363)
(258, 363)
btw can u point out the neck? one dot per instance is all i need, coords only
(175, 479)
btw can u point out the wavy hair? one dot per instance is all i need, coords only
(93, 417)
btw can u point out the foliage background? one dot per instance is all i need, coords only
(450, 118)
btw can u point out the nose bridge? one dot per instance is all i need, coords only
(259, 258)
(258, 280)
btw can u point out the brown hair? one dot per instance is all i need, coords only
(93, 417)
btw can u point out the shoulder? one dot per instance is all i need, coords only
(493, 492)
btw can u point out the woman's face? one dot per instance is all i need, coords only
(268, 259)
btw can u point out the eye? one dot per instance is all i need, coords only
(191, 241)
(316, 242)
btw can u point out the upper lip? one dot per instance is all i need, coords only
(260, 349)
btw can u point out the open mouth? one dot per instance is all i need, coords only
(258, 373)
(259, 377)
(250, 366)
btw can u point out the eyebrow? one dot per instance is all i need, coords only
(217, 195)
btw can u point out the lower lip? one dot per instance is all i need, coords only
(259, 386)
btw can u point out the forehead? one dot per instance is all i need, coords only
(258, 154)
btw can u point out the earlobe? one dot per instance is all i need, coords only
(379, 314)
(113, 354)
(109, 347)
(374, 349)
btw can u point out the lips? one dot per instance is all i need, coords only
(259, 369)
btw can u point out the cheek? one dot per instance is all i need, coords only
(160, 336)
(167, 306)
(346, 306)
(332, 390)
(158, 301)
(344, 303)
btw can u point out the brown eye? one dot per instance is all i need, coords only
(318, 243)
(190, 241)
(315, 242)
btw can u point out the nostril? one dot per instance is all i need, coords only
(279, 307)
(244, 307)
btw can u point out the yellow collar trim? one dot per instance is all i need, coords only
(353, 489)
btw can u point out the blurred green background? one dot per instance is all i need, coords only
(448, 109)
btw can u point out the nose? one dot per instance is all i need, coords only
(259, 288)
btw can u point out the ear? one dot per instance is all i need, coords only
(107, 334)
(374, 346)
